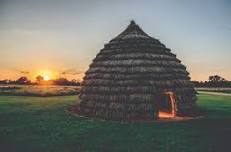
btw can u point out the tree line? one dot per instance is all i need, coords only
(213, 81)
(23, 80)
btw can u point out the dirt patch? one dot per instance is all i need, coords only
(174, 119)
(75, 111)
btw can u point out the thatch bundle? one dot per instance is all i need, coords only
(128, 75)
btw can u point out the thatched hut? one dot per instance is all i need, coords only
(135, 77)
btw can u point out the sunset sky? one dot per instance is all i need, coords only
(60, 38)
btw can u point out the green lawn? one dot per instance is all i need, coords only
(42, 124)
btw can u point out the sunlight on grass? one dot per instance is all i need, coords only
(44, 124)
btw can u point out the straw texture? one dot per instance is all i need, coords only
(129, 74)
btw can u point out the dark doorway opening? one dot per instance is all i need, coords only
(167, 105)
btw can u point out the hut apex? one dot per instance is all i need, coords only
(135, 77)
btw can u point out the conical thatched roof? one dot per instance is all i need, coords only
(129, 73)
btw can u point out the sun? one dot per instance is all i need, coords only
(46, 77)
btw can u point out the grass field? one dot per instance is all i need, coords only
(38, 90)
(219, 90)
(42, 124)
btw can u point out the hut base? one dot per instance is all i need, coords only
(74, 110)
(163, 117)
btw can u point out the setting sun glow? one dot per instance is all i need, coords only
(46, 77)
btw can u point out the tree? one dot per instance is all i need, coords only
(23, 80)
(39, 78)
(61, 81)
(216, 78)
(75, 82)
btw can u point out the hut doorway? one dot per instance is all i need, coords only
(167, 105)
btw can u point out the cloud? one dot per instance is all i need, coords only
(24, 72)
(71, 72)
